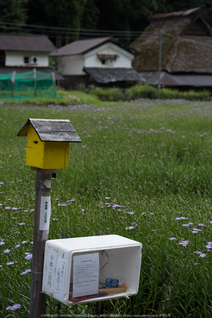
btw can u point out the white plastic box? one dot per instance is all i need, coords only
(110, 256)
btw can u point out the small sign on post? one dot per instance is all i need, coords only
(47, 150)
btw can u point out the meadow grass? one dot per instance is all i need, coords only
(154, 159)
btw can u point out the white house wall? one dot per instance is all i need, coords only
(70, 65)
(123, 61)
(17, 58)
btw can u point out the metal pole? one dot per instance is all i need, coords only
(97, 303)
(159, 62)
(41, 230)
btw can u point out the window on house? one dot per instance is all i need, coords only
(26, 59)
(107, 59)
(34, 60)
(2, 58)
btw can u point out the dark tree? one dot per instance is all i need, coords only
(12, 11)
(90, 16)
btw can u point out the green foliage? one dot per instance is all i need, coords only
(141, 91)
(64, 13)
(12, 11)
(147, 91)
(112, 94)
(90, 16)
(150, 157)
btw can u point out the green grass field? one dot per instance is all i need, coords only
(153, 158)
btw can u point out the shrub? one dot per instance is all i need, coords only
(200, 95)
(141, 91)
(167, 93)
(112, 94)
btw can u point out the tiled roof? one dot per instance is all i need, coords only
(79, 47)
(112, 75)
(31, 43)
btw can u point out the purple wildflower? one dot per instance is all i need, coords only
(9, 308)
(24, 242)
(202, 255)
(22, 223)
(2, 243)
(61, 204)
(129, 228)
(16, 306)
(28, 270)
(117, 206)
(18, 245)
(6, 251)
(7, 208)
(131, 213)
(172, 238)
(107, 198)
(29, 256)
(200, 224)
(208, 246)
(9, 263)
(184, 243)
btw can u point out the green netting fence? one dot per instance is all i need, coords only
(30, 84)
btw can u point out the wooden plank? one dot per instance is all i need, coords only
(103, 291)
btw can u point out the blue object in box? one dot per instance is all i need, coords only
(111, 282)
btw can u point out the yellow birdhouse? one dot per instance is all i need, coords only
(48, 142)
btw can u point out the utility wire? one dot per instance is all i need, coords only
(69, 29)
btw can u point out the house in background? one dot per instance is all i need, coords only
(22, 53)
(186, 59)
(95, 61)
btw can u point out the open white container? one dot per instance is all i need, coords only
(123, 261)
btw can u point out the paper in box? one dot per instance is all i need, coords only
(76, 267)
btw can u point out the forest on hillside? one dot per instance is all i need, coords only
(68, 20)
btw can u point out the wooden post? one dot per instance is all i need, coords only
(53, 79)
(13, 84)
(41, 230)
(35, 82)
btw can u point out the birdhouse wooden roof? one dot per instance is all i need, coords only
(53, 130)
